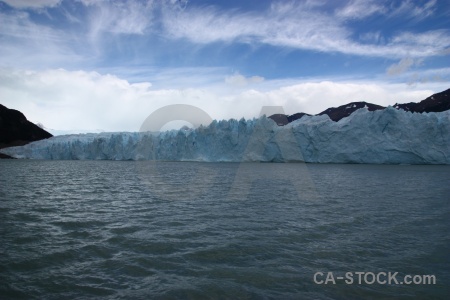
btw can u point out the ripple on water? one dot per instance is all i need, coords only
(106, 229)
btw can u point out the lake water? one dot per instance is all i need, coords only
(180, 230)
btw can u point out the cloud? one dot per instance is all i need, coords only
(239, 80)
(68, 100)
(412, 10)
(26, 43)
(359, 9)
(19, 25)
(303, 25)
(21, 4)
(125, 17)
(403, 65)
(438, 38)
(373, 37)
(299, 26)
(283, 23)
(441, 75)
(62, 99)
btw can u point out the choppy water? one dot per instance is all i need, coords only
(80, 229)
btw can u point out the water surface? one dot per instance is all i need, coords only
(78, 229)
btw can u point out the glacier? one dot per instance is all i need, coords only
(388, 136)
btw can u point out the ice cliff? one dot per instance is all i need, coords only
(388, 136)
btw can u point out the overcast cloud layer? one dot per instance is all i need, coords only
(108, 64)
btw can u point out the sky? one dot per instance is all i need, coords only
(105, 65)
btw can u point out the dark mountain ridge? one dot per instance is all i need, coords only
(435, 103)
(343, 111)
(282, 119)
(16, 130)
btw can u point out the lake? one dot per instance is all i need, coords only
(185, 230)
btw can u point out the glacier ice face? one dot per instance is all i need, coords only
(388, 136)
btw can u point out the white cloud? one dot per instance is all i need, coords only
(438, 38)
(411, 9)
(283, 24)
(27, 43)
(32, 3)
(18, 25)
(359, 9)
(124, 17)
(90, 2)
(298, 26)
(403, 65)
(66, 100)
(127, 17)
(428, 76)
(239, 80)
(373, 37)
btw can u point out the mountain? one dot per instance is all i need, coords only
(335, 113)
(343, 111)
(436, 103)
(282, 119)
(16, 130)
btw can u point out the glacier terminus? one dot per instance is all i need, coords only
(388, 136)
